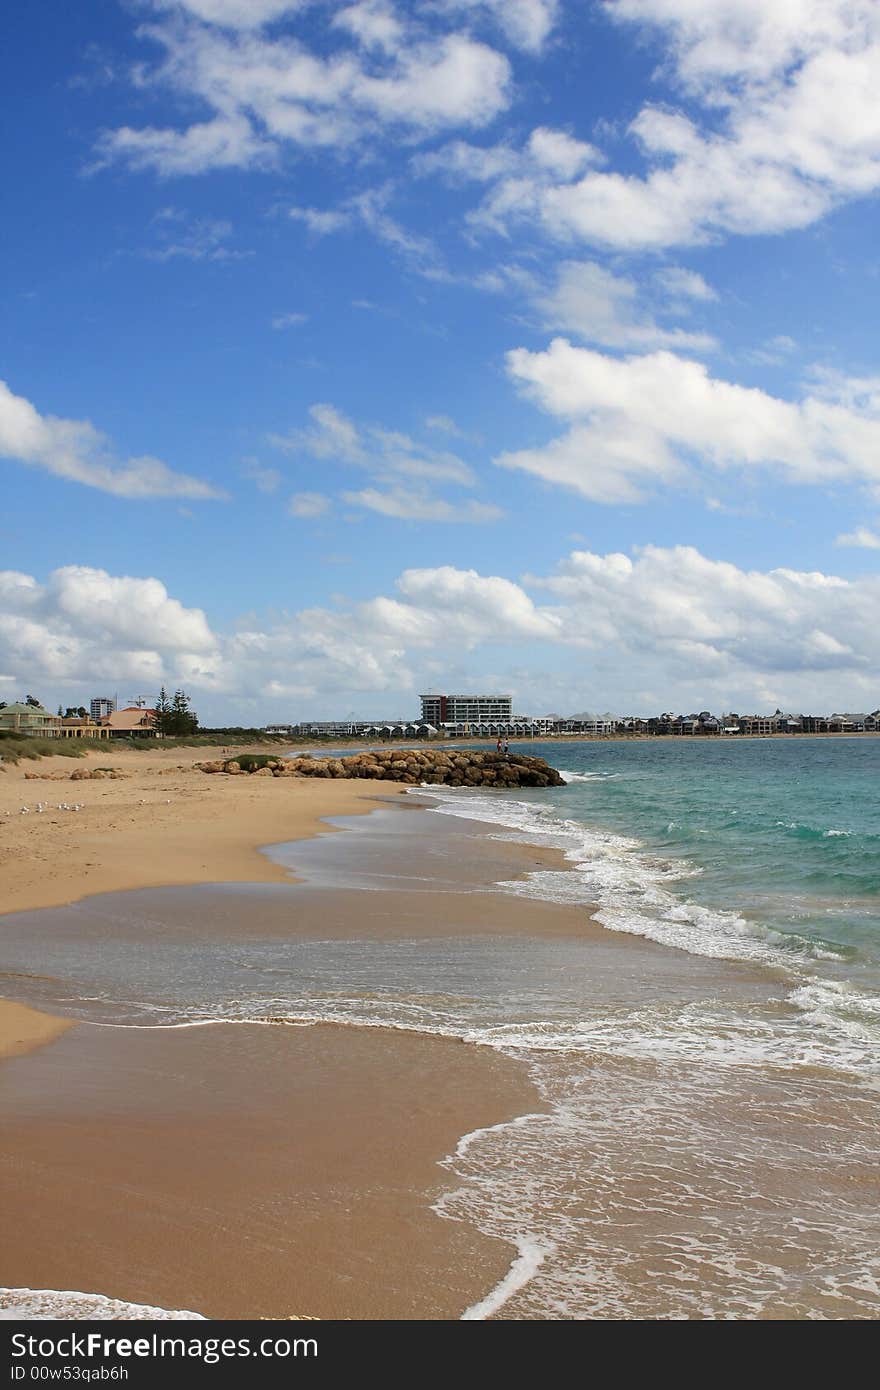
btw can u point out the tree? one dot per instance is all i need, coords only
(184, 721)
(174, 718)
(33, 702)
(162, 716)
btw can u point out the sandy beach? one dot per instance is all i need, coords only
(237, 1171)
(161, 822)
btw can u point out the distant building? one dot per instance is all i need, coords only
(32, 720)
(100, 706)
(134, 722)
(466, 709)
(74, 726)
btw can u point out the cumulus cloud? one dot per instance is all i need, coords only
(85, 625)
(694, 630)
(76, 451)
(687, 622)
(658, 418)
(527, 24)
(373, 68)
(547, 155)
(781, 126)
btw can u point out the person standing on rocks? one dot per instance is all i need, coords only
(506, 747)
(498, 745)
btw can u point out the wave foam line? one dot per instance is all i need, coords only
(532, 1255)
(61, 1305)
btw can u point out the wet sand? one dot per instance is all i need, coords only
(23, 1029)
(248, 1171)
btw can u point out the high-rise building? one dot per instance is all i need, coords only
(466, 709)
(101, 706)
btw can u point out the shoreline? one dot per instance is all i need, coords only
(239, 1136)
(163, 823)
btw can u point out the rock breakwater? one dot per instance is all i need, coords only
(451, 767)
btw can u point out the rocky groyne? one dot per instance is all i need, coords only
(450, 767)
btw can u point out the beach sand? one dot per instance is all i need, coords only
(241, 1170)
(248, 1171)
(163, 822)
(23, 1029)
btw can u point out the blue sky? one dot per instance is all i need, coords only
(352, 350)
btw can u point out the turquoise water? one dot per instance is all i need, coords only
(787, 830)
(765, 851)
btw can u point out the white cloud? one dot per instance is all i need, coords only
(85, 625)
(604, 308)
(679, 283)
(675, 619)
(266, 92)
(235, 14)
(445, 424)
(320, 222)
(406, 504)
(308, 505)
(657, 418)
(698, 631)
(860, 538)
(373, 22)
(714, 43)
(370, 210)
(559, 153)
(773, 352)
(76, 451)
(406, 470)
(548, 154)
(293, 320)
(782, 126)
(225, 142)
(330, 436)
(526, 23)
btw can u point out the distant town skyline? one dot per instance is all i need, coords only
(526, 345)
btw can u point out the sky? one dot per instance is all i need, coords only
(355, 350)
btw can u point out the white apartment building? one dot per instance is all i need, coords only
(466, 709)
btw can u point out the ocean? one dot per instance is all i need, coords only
(706, 1144)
